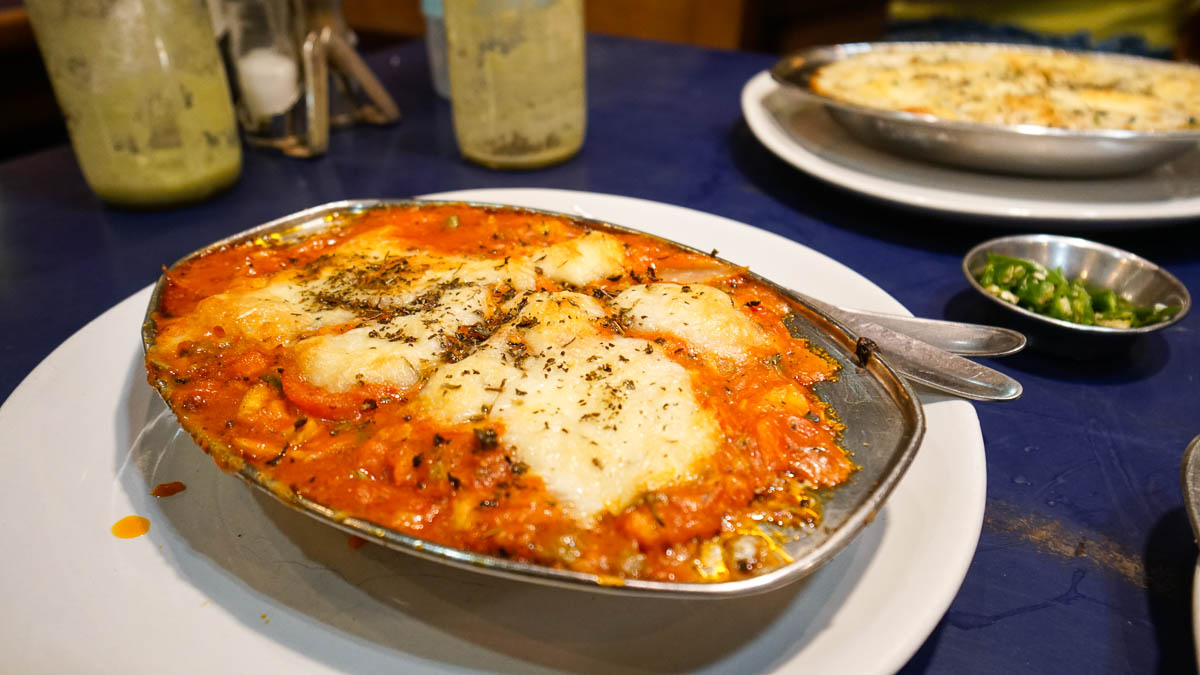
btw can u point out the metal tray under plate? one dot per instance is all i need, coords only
(883, 418)
(1020, 149)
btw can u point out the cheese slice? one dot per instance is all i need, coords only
(339, 362)
(703, 316)
(582, 260)
(273, 313)
(435, 295)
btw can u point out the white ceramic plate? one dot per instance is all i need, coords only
(228, 580)
(1196, 612)
(802, 134)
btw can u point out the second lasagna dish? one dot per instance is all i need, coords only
(1010, 85)
(511, 383)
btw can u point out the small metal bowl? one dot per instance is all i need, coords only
(1022, 149)
(1130, 276)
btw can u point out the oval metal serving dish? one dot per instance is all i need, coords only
(1017, 149)
(883, 419)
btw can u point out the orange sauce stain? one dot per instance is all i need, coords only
(130, 527)
(355, 541)
(168, 489)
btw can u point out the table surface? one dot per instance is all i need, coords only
(1086, 557)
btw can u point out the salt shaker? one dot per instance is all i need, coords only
(298, 74)
(517, 80)
(144, 91)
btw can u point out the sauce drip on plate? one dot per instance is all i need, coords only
(131, 527)
(168, 489)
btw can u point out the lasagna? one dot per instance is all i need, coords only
(511, 383)
(1000, 85)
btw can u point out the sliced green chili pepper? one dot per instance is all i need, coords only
(1030, 285)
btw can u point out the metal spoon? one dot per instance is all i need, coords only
(924, 363)
(939, 369)
(965, 339)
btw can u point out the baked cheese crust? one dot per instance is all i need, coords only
(511, 383)
(1002, 85)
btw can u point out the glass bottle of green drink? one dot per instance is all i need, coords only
(143, 89)
(517, 81)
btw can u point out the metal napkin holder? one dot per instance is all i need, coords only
(335, 86)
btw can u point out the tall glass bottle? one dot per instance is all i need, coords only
(144, 92)
(517, 80)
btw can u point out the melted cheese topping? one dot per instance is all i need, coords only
(1011, 86)
(600, 419)
(339, 363)
(702, 316)
(272, 312)
(623, 417)
(399, 352)
(593, 256)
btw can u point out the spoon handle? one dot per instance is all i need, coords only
(964, 339)
(922, 362)
(939, 369)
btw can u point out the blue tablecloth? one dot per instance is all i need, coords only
(1086, 557)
